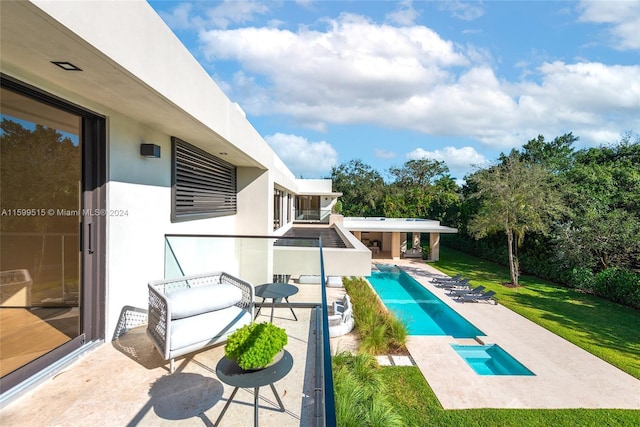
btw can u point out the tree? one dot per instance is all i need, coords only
(603, 230)
(422, 189)
(40, 169)
(361, 186)
(556, 156)
(418, 173)
(601, 239)
(447, 202)
(516, 197)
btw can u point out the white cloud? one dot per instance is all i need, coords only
(459, 160)
(225, 13)
(305, 3)
(586, 98)
(302, 157)
(357, 71)
(623, 16)
(181, 18)
(348, 73)
(473, 31)
(405, 14)
(384, 154)
(467, 11)
(235, 12)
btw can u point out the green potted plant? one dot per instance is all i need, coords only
(425, 252)
(256, 345)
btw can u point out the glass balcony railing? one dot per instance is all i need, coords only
(313, 215)
(263, 260)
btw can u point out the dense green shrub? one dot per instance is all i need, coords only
(489, 248)
(618, 285)
(255, 345)
(582, 278)
(379, 330)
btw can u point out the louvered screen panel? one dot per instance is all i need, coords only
(204, 186)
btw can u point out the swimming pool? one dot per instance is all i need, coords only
(422, 312)
(490, 359)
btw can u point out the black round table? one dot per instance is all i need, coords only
(276, 291)
(230, 373)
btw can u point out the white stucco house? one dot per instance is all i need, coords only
(149, 146)
(113, 138)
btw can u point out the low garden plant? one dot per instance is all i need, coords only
(360, 393)
(255, 345)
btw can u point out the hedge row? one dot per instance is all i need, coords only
(615, 284)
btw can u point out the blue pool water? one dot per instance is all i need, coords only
(419, 309)
(490, 360)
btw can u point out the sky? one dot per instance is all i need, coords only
(384, 82)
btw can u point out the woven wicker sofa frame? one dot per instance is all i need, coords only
(208, 324)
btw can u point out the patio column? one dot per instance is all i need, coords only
(434, 246)
(357, 235)
(395, 244)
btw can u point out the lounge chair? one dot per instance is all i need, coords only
(464, 283)
(486, 296)
(470, 291)
(447, 279)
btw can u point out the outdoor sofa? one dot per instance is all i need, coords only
(190, 313)
(341, 322)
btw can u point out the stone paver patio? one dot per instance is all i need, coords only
(566, 376)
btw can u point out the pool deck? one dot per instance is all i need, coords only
(566, 376)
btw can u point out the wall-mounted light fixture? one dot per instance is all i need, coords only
(150, 150)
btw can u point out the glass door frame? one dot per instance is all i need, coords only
(92, 233)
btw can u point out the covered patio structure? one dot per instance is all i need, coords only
(390, 235)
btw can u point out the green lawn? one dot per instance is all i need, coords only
(412, 398)
(605, 329)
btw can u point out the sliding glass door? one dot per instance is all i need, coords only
(44, 231)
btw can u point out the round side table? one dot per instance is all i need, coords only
(230, 373)
(274, 291)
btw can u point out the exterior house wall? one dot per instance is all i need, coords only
(148, 87)
(255, 201)
(191, 107)
(141, 187)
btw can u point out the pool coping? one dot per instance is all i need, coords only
(566, 376)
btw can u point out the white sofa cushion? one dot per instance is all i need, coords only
(194, 301)
(334, 281)
(341, 324)
(210, 327)
(310, 279)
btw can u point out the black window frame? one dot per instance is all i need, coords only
(194, 172)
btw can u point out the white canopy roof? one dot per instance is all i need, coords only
(404, 225)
